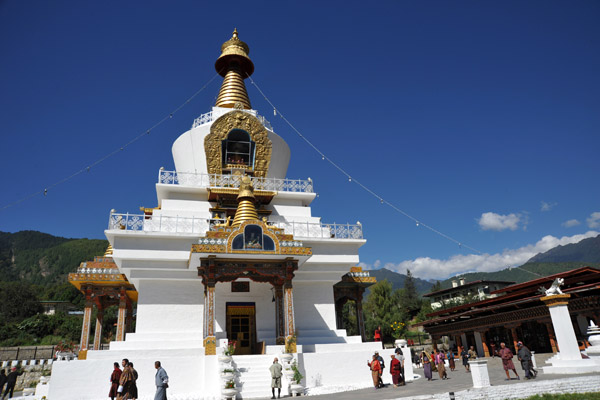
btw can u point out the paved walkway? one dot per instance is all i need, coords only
(458, 380)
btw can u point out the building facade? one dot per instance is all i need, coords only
(516, 313)
(233, 252)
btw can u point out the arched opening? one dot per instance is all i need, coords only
(238, 149)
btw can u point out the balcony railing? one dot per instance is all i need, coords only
(233, 181)
(191, 225)
(210, 116)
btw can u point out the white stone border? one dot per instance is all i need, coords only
(523, 390)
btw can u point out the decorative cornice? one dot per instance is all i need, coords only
(556, 300)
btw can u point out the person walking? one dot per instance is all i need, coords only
(114, 381)
(11, 381)
(382, 365)
(439, 362)
(375, 367)
(451, 362)
(161, 380)
(426, 361)
(506, 355)
(126, 382)
(400, 358)
(276, 372)
(134, 388)
(2, 380)
(395, 370)
(464, 354)
(524, 355)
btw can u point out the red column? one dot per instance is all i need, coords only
(121, 316)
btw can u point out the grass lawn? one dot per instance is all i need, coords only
(570, 396)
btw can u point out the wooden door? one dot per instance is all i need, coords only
(241, 327)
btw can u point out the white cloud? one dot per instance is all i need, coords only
(547, 206)
(496, 222)
(593, 220)
(377, 264)
(571, 223)
(428, 268)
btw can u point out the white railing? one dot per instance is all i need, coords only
(209, 117)
(160, 223)
(233, 181)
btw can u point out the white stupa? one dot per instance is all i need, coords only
(231, 252)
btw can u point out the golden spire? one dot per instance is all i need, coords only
(234, 65)
(246, 209)
(109, 251)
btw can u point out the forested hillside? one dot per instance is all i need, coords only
(34, 267)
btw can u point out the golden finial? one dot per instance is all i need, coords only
(246, 209)
(234, 65)
(109, 251)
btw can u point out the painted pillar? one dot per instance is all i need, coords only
(486, 350)
(98, 331)
(290, 324)
(561, 321)
(458, 343)
(360, 319)
(434, 340)
(515, 338)
(85, 328)
(279, 315)
(121, 317)
(210, 341)
(478, 344)
(551, 337)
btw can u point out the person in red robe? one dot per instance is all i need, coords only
(506, 355)
(375, 370)
(114, 381)
(377, 334)
(395, 370)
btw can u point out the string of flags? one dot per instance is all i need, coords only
(324, 157)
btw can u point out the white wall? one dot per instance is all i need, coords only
(170, 306)
(313, 305)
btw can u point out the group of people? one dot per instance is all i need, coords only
(124, 386)
(10, 381)
(377, 365)
(435, 361)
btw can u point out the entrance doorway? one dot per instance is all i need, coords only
(241, 326)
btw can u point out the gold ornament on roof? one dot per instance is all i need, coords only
(109, 251)
(246, 210)
(234, 65)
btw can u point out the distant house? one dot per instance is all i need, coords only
(52, 307)
(462, 292)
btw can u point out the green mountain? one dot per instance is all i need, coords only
(397, 280)
(585, 253)
(587, 250)
(42, 259)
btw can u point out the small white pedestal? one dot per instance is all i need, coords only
(479, 373)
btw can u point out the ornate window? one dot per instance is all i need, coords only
(238, 150)
(253, 239)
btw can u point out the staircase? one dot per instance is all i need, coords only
(254, 378)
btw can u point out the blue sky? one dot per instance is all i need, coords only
(479, 118)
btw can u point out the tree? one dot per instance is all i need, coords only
(410, 296)
(436, 286)
(17, 302)
(382, 308)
